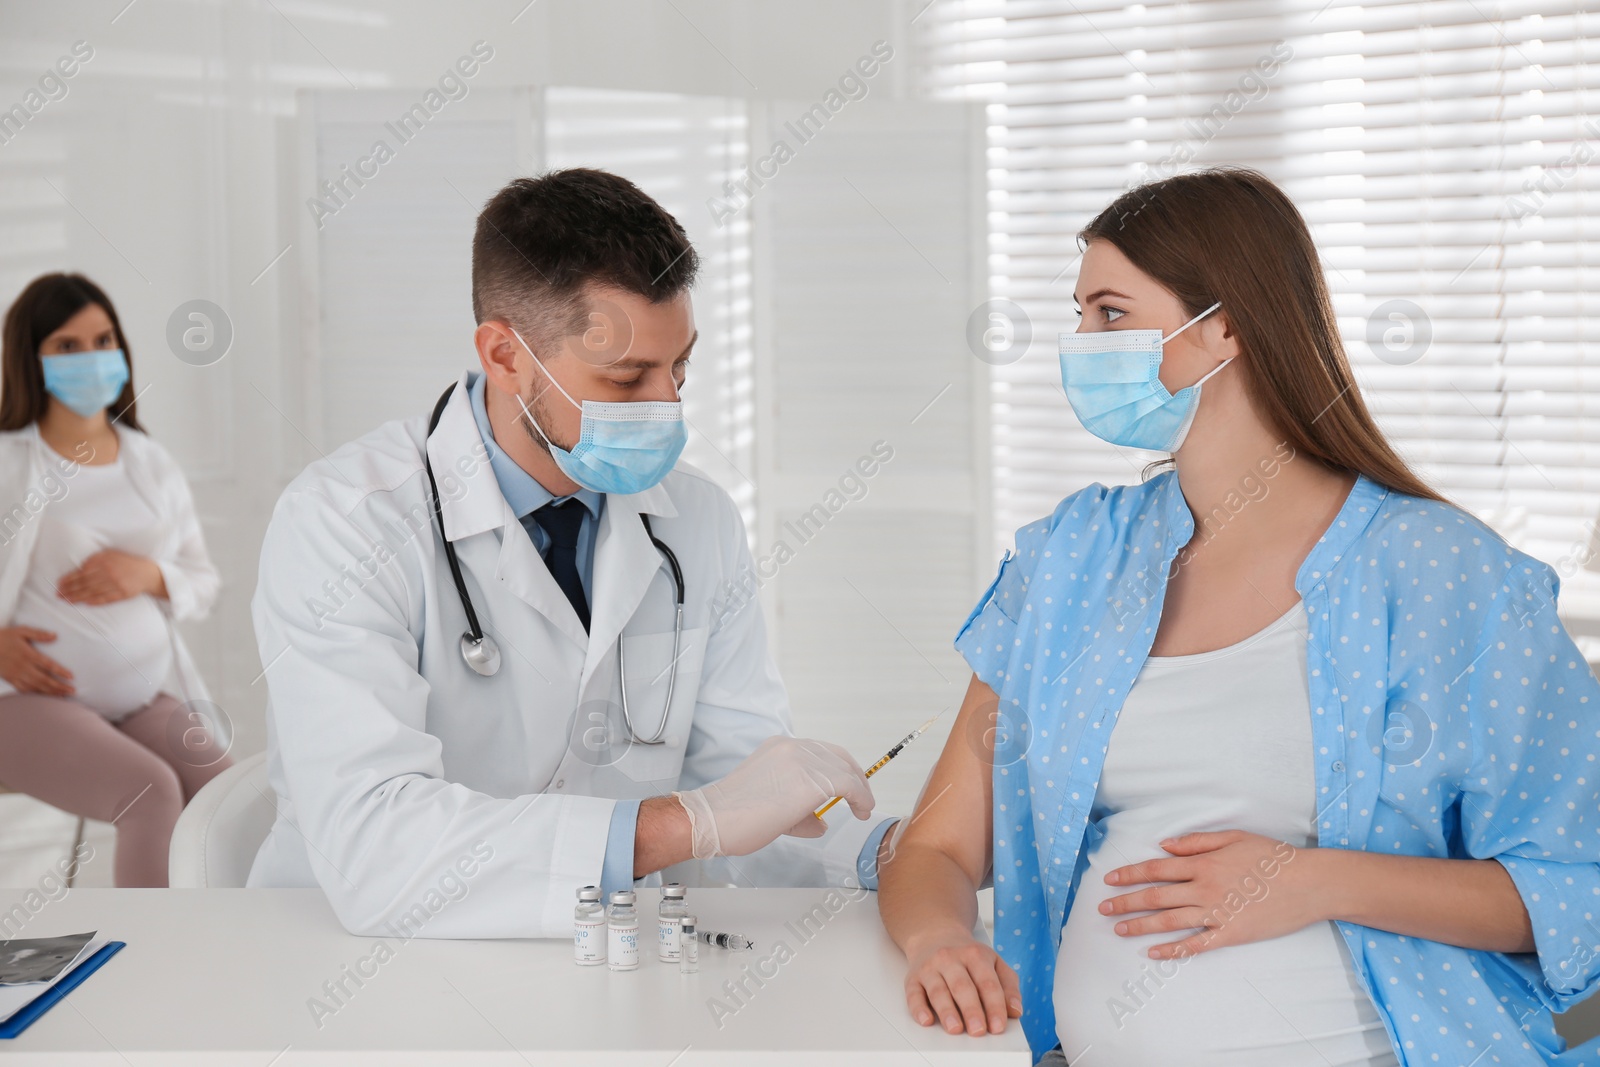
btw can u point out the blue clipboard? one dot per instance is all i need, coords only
(24, 1016)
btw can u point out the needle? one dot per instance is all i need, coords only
(891, 754)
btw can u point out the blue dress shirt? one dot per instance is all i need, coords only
(525, 495)
(1452, 716)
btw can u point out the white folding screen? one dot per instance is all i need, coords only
(831, 393)
(1442, 153)
(868, 251)
(386, 258)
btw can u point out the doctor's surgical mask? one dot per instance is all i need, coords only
(1112, 380)
(622, 447)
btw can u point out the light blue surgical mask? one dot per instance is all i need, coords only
(1112, 379)
(87, 382)
(622, 447)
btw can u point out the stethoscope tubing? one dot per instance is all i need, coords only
(473, 628)
(475, 644)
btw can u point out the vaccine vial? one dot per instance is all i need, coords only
(589, 928)
(670, 913)
(622, 941)
(688, 946)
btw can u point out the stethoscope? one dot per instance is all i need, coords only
(482, 653)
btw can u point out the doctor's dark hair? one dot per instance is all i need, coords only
(541, 242)
(1230, 234)
(39, 311)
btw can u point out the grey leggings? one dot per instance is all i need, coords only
(137, 773)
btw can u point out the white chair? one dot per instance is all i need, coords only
(77, 839)
(216, 838)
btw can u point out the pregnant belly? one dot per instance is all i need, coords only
(1286, 1002)
(119, 654)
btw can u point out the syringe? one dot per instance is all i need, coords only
(736, 942)
(876, 767)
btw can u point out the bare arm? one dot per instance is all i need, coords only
(927, 890)
(1471, 903)
(942, 854)
(662, 836)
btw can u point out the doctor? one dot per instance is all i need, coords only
(452, 743)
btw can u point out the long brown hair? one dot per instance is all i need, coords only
(42, 308)
(1230, 234)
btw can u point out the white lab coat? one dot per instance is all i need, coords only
(32, 474)
(398, 770)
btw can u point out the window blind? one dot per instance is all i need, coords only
(682, 150)
(1443, 154)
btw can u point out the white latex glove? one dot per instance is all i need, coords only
(773, 791)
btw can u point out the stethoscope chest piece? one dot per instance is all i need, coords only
(481, 653)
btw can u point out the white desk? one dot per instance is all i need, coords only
(223, 977)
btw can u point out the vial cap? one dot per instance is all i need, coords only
(622, 896)
(687, 922)
(673, 891)
(590, 892)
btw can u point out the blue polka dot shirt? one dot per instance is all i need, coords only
(1452, 716)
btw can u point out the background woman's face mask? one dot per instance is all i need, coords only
(87, 382)
(622, 447)
(1112, 380)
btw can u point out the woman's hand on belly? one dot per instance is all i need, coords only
(1240, 886)
(962, 981)
(111, 575)
(26, 668)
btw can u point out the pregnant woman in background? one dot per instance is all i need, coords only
(100, 551)
(1276, 759)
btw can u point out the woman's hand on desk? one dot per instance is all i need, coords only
(111, 575)
(963, 981)
(1241, 886)
(29, 670)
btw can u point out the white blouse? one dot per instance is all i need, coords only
(119, 653)
(1214, 741)
(35, 481)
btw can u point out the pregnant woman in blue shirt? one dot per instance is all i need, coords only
(1278, 757)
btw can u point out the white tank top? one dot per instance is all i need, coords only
(120, 653)
(1215, 741)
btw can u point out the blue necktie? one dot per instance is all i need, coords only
(561, 523)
